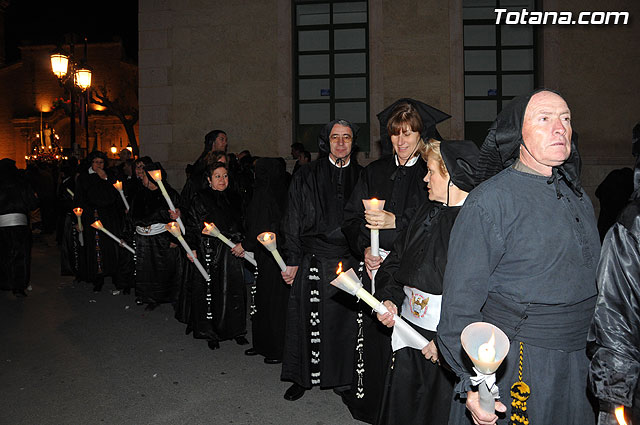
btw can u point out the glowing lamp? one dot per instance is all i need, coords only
(59, 63)
(83, 78)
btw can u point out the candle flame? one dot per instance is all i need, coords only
(77, 211)
(97, 224)
(339, 270)
(492, 340)
(620, 415)
(118, 185)
(156, 175)
(173, 228)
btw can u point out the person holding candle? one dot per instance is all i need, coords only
(321, 319)
(522, 256)
(158, 260)
(264, 214)
(99, 200)
(395, 178)
(217, 309)
(409, 283)
(214, 141)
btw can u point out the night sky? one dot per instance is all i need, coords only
(38, 22)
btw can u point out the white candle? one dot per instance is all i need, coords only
(174, 229)
(374, 204)
(157, 176)
(118, 186)
(78, 213)
(70, 192)
(348, 282)
(487, 351)
(98, 225)
(212, 230)
(268, 239)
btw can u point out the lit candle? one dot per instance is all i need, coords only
(98, 225)
(349, 282)
(174, 229)
(78, 213)
(118, 186)
(487, 351)
(70, 192)
(620, 415)
(268, 239)
(211, 230)
(157, 176)
(374, 204)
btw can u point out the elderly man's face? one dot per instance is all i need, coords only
(341, 138)
(546, 132)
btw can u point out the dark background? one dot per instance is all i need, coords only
(50, 22)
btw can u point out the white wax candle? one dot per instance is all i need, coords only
(115, 238)
(487, 351)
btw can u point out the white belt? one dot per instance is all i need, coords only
(154, 229)
(13, 219)
(421, 308)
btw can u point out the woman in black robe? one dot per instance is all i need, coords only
(99, 200)
(395, 178)
(272, 293)
(158, 260)
(410, 281)
(218, 306)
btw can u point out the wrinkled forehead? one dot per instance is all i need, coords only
(546, 102)
(339, 129)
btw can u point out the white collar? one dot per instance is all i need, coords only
(91, 170)
(409, 163)
(346, 164)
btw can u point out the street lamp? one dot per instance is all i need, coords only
(75, 78)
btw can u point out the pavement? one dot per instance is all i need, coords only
(72, 356)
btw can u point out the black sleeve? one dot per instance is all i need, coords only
(293, 219)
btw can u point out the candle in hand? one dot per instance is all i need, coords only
(268, 239)
(98, 226)
(157, 176)
(211, 230)
(118, 186)
(174, 229)
(78, 213)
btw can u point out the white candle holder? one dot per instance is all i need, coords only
(475, 338)
(174, 229)
(211, 230)
(118, 186)
(98, 225)
(268, 240)
(157, 177)
(348, 281)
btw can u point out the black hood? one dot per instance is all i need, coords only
(324, 144)
(461, 159)
(635, 150)
(501, 147)
(430, 117)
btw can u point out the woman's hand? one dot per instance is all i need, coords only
(174, 214)
(380, 219)
(371, 262)
(430, 352)
(289, 274)
(387, 318)
(192, 255)
(238, 250)
(480, 417)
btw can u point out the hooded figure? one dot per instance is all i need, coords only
(264, 214)
(410, 282)
(614, 342)
(395, 178)
(321, 319)
(522, 256)
(17, 200)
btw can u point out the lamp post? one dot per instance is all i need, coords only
(76, 78)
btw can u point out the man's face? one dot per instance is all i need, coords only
(546, 131)
(220, 144)
(340, 138)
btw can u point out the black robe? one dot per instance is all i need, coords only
(614, 341)
(403, 190)
(99, 200)
(321, 319)
(216, 309)
(416, 391)
(158, 266)
(271, 292)
(16, 196)
(522, 255)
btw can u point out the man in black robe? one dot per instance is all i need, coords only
(614, 341)
(321, 319)
(17, 200)
(522, 256)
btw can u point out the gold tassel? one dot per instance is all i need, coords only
(520, 392)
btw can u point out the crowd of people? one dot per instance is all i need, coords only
(503, 234)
